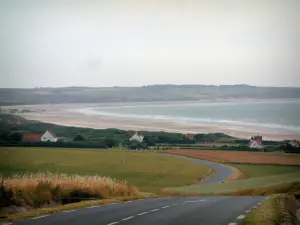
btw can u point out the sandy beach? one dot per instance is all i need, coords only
(66, 114)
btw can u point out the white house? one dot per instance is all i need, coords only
(137, 137)
(49, 136)
(294, 143)
(256, 143)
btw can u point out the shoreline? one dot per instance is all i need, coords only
(66, 115)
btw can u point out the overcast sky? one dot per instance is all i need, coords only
(132, 43)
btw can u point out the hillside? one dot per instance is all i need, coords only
(10, 124)
(141, 94)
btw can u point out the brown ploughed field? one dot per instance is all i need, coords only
(240, 156)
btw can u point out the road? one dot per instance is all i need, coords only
(222, 171)
(212, 210)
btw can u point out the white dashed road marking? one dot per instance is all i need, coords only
(69, 211)
(153, 210)
(128, 218)
(38, 217)
(112, 223)
(201, 200)
(232, 224)
(241, 217)
(143, 213)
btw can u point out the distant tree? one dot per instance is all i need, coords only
(16, 137)
(287, 148)
(110, 142)
(78, 137)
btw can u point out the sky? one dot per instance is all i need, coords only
(59, 43)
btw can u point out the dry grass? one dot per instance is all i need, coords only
(240, 156)
(78, 205)
(236, 174)
(36, 190)
(267, 213)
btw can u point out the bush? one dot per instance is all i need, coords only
(36, 190)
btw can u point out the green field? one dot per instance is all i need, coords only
(148, 171)
(251, 171)
(238, 185)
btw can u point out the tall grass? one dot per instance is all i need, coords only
(36, 190)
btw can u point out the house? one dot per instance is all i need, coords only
(137, 137)
(256, 142)
(294, 143)
(188, 136)
(32, 137)
(47, 136)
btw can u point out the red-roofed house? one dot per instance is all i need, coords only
(294, 143)
(49, 136)
(32, 137)
(256, 142)
(188, 136)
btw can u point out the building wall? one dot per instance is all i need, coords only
(47, 136)
(255, 145)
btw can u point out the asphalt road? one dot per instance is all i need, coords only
(213, 210)
(222, 172)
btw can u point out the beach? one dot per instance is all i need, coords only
(75, 115)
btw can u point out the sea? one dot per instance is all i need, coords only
(278, 115)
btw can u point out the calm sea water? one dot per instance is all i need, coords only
(281, 115)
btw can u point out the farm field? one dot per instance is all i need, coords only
(240, 156)
(238, 186)
(251, 171)
(148, 171)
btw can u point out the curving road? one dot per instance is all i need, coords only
(213, 210)
(222, 171)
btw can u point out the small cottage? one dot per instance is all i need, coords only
(137, 137)
(47, 136)
(294, 143)
(256, 142)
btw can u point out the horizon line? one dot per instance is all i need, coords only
(147, 85)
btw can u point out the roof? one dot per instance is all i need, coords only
(188, 135)
(32, 137)
(257, 140)
(294, 142)
(53, 134)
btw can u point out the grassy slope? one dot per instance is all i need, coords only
(267, 213)
(148, 171)
(238, 185)
(251, 171)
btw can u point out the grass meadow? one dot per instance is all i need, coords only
(252, 171)
(258, 185)
(149, 172)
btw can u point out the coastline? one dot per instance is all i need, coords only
(66, 115)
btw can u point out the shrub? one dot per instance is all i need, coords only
(37, 190)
